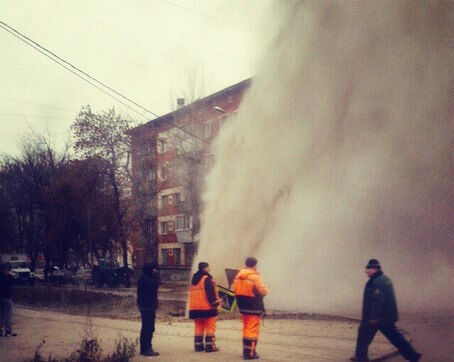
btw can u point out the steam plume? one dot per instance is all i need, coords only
(341, 151)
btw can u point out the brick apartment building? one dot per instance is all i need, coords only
(170, 157)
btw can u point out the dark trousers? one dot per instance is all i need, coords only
(367, 332)
(6, 314)
(146, 333)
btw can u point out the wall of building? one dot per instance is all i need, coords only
(168, 167)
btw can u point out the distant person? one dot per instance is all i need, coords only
(203, 308)
(147, 300)
(6, 304)
(249, 292)
(379, 314)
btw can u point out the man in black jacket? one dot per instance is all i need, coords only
(6, 305)
(379, 314)
(147, 300)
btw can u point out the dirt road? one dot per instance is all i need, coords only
(281, 340)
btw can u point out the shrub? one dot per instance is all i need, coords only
(91, 351)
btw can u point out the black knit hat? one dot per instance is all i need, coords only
(373, 264)
(251, 262)
(203, 265)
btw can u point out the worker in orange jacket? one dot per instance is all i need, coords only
(203, 308)
(249, 292)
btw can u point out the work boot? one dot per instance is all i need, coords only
(149, 353)
(416, 357)
(357, 359)
(249, 346)
(209, 344)
(254, 356)
(198, 344)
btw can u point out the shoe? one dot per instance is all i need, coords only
(199, 348)
(357, 359)
(416, 357)
(149, 353)
(11, 334)
(212, 349)
(255, 356)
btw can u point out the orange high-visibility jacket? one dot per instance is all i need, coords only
(203, 296)
(249, 291)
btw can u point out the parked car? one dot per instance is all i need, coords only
(19, 267)
(59, 276)
(109, 272)
(82, 276)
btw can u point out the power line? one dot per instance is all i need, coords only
(208, 16)
(38, 104)
(69, 69)
(177, 46)
(60, 62)
(80, 70)
(29, 115)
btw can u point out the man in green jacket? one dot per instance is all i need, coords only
(380, 314)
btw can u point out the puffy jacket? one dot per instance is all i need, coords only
(379, 301)
(203, 296)
(147, 288)
(249, 291)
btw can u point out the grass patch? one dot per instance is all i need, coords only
(90, 303)
(91, 351)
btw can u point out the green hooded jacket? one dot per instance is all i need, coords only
(379, 302)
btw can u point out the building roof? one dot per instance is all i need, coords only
(199, 102)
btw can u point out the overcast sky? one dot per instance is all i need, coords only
(142, 48)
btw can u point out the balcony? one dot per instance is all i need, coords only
(184, 236)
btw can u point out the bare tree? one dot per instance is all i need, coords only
(27, 181)
(104, 135)
(192, 84)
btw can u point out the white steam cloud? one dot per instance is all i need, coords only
(341, 152)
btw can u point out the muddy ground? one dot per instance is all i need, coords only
(281, 340)
(62, 318)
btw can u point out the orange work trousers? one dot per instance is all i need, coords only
(205, 326)
(251, 326)
(251, 330)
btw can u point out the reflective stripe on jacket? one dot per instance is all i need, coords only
(249, 291)
(200, 305)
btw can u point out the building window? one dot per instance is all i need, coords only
(177, 198)
(177, 256)
(171, 257)
(161, 145)
(166, 227)
(149, 151)
(171, 199)
(165, 200)
(183, 223)
(162, 172)
(208, 129)
(164, 256)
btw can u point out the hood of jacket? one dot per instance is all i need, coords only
(246, 273)
(150, 269)
(198, 276)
